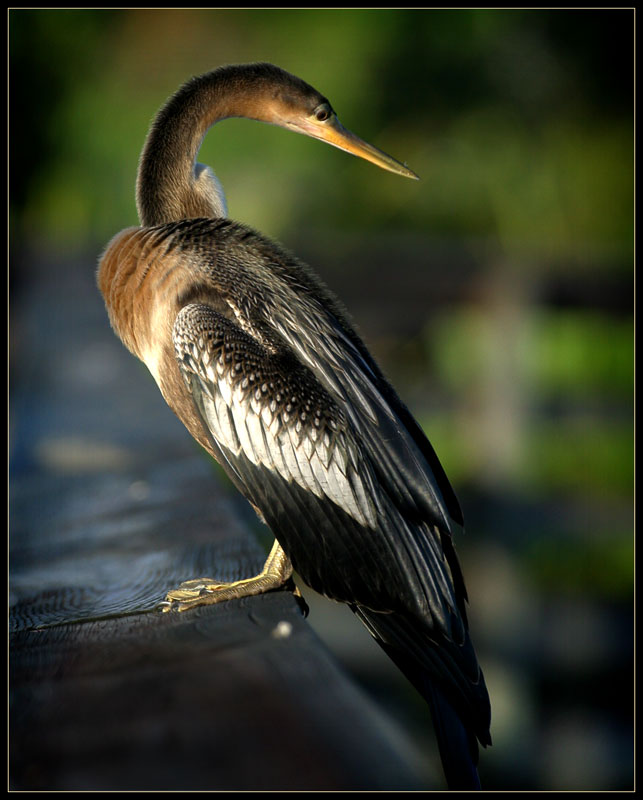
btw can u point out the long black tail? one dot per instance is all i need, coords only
(451, 682)
(458, 747)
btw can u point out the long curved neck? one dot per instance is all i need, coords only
(169, 185)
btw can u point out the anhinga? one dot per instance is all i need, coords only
(259, 361)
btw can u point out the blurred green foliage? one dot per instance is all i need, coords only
(601, 567)
(510, 117)
(581, 351)
(575, 370)
(562, 352)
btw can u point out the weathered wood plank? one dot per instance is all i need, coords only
(239, 696)
(103, 545)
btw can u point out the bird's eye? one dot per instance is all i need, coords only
(323, 112)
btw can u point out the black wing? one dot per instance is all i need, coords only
(317, 440)
(297, 452)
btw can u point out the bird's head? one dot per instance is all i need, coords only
(295, 105)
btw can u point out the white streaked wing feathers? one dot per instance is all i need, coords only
(241, 424)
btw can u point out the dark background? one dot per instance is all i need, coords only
(497, 292)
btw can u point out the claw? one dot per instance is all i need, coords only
(190, 590)
(206, 591)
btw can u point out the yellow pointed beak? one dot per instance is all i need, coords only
(333, 132)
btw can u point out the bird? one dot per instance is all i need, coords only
(264, 367)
